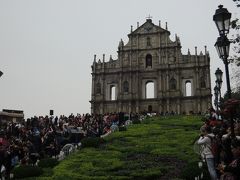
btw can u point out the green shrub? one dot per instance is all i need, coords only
(122, 128)
(192, 170)
(146, 121)
(136, 121)
(92, 142)
(144, 151)
(48, 162)
(147, 174)
(47, 172)
(27, 171)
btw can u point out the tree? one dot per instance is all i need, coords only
(235, 25)
(235, 95)
(236, 37)
(237, 2)
(236, 40)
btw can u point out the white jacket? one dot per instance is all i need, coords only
(205, 143)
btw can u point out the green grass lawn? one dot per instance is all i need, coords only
(158, 148)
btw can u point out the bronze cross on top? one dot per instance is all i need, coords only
(149, 17)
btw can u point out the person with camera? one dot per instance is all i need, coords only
(205, 142)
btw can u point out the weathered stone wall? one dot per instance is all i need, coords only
(150, 56)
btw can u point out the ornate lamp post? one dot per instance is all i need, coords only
(218, 74)
(222, 19)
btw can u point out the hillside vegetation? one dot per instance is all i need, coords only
(158, 148)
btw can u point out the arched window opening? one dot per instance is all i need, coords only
(148, 41)
(149, 61)
(113, 93)
(149, 90)
(188, 87)
(202, 82)
(98, 88)
(173, 84)
(125, 87)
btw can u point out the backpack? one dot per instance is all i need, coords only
(214, 145)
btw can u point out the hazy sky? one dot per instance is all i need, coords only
(47, 46)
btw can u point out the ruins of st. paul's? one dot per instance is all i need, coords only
(151, 58)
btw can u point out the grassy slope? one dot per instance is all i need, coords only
(149, 150)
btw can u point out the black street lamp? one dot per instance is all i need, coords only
(222, 19)
(218, 74)
(222, 46)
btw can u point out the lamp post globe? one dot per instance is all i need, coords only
(215, 90)
(219, 81)
(222, 19)
(222, 46)
(218, 84)
(218, 74)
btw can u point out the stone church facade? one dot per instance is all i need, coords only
(179, 83)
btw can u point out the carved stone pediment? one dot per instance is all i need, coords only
(148, 27)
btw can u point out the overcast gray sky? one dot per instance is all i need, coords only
(47, 46)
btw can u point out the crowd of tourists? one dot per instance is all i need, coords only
(220, 146)
(39, 137)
